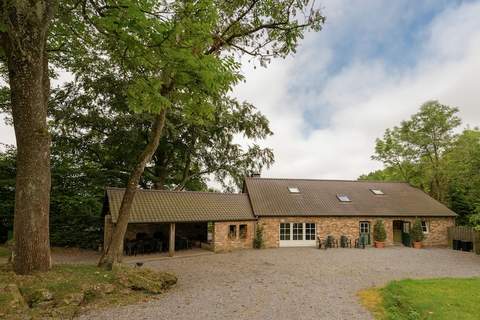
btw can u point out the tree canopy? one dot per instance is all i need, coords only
(427, 152)
(159, 73)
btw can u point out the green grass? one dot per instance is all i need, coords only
(440, 299)
(4, 252)
(75, 289)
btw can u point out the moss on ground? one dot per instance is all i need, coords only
(68, 290)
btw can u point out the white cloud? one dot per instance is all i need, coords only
(363, 96)
(367, 95)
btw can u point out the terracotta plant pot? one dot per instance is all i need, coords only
(417, 245)
(379, 244)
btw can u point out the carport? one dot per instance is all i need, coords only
(179, 220)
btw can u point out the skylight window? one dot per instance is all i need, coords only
(378, 192)
(293, 190)
(343, 198)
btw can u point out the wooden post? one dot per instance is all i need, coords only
(450, 237)
(476, 245)
(171, 243)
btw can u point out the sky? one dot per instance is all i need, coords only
(372, 66)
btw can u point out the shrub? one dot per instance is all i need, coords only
(379, 233)
(258, 240)
(417, 231)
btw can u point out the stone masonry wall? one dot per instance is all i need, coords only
(350, 226)
(223, 243)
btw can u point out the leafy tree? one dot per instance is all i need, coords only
(7, 190)
(170, 55)
(76, 199)
(395, 153)
(24, 28)
(261, 29)
(414, 151)
(193, 152)
(104, 131)
(463, 171)
(387, 174)
(442, 163)
(429, 133)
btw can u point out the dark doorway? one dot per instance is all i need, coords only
(401, 232)
(397, 231)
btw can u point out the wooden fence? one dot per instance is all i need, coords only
(464, 234)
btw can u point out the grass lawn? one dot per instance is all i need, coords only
(440, 299)
(4, 252)
(68, 290)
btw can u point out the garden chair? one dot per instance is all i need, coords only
(361, 242)
(345, 242)
(130, 248)
(322, 243)
(332, 242)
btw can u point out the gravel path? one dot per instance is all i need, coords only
(289, 283)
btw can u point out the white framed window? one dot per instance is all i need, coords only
(284, 231)
(377, 192)
(297, 234)
(297, 231)
(310, 231)
(424, 226)
(293, 190)
(343, 198)
(364, 227)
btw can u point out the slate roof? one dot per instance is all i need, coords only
(181, 206)
(271, 197)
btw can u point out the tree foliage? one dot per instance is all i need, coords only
(142, 66)
(104, 131)
(427, 152)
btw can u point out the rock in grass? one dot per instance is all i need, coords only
(145, 279)
(42, 295)
(75, 298)
(41, 298)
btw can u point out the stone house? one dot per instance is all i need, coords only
(293, 213)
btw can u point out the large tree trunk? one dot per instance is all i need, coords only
(24, 42)
(114, 250)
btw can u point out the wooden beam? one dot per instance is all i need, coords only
(171, 243)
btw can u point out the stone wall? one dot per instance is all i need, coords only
(349, 226)
(222, 242)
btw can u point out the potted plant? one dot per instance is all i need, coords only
(417, 234)
(379, 234)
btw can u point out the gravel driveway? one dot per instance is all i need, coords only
(288, 283)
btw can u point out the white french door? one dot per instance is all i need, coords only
(297, 234)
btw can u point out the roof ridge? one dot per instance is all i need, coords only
(183, 191)
(327, 180)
